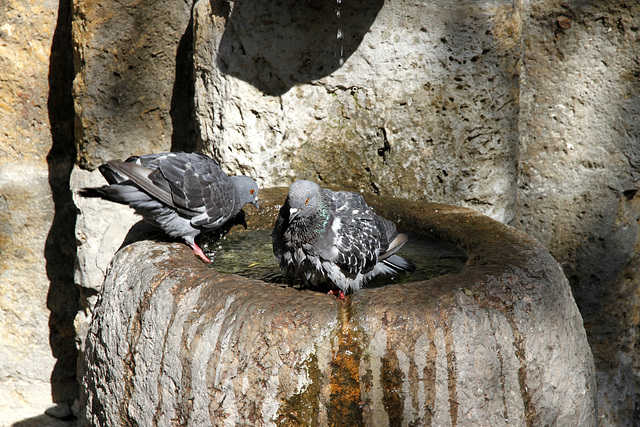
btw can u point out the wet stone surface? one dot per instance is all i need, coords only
(500, 342)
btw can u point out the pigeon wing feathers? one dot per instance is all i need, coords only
(395, 245)
(348, 202)
(355, 245)
(151, 161)
(111, 175)
(374, 238)
(199, 185)
(139, 175)
(354, 234)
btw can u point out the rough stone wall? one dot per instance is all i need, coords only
(37, 298)
(579, 173)
(134, 83)
(421, 108)
(132, 89)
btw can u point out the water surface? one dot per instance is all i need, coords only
(250, 254)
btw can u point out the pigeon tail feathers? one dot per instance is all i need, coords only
(124, 194)
(395, 245)
(396, 264)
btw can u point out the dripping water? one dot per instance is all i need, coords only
(339, 34)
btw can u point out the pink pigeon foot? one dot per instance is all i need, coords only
(198, 253)
(338, 294)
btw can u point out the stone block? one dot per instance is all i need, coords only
(131, 93)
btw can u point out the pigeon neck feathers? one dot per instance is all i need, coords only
(310, 209)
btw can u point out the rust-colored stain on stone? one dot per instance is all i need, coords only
(391, 379)
(345, 406)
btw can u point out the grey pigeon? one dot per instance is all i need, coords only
(184, 194)
(334, 239)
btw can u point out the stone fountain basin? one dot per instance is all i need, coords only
(500, 343)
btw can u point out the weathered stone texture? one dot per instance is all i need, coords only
(500, 343)
(26, 361)
(31, 326)
(131, 95)
(24, 125)
(579, 174)
(97, 237)
(272, 99)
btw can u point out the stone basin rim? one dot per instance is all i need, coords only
(492, 248)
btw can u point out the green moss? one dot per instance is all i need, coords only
(302, 408)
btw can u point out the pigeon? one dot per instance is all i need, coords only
(184, 194)
(334, 240)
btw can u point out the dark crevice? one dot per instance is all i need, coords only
(182, 110)
(60, 246)
(386, 148)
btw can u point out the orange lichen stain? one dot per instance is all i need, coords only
(345, 405)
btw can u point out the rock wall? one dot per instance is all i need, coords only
(132, 88)
(38, 300)
(579, 173)
(421, 107)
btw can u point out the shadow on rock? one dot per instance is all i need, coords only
(60, 246)
(276, 45)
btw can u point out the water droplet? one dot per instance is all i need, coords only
(339, 34)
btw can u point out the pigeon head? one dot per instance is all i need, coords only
(306, 200)
(247, 190)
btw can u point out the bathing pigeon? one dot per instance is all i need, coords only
(334, 240)
(184, 194)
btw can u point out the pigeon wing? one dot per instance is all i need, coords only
(200, 186)
(355, 244)
(140, 176)
(353, 241)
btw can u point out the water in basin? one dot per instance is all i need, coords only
(250, 254)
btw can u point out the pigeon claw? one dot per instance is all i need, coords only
(199, 254)
(338, 294)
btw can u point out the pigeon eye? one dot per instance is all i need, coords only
(306, 201)
(252, 191)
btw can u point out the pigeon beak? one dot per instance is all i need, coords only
(256, 204)
(293, 212)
